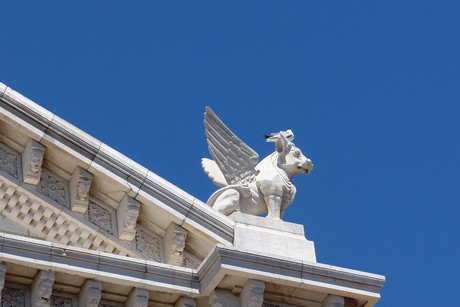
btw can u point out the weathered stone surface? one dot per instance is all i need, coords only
(42, 288)
(32, 160)
(79, 185)
(138, 298)
(253, 294)
(127, 214)
(174, 244)
(90, 294)
(275, 237)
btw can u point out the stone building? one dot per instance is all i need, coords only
(82, 225)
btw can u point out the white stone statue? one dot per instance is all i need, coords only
(246, 185)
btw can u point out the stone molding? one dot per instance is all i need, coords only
(220, 262)
(32, 160)
(54, 223)
(44, 125)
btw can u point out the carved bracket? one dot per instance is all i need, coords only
(32, 160)
(253, 293)
(174, 244)
(138, 298)
(127, 214)
(333, 301)
(90, 294)
(2, 276)
(79, 185)
(185, 302)
(41, 289)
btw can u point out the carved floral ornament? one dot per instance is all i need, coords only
(247, 185)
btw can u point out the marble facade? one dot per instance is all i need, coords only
(83, 225)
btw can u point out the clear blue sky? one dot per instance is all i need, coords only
(371, 89)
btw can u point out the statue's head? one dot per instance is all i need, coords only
(291, 158)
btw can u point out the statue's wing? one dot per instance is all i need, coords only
(235, 159)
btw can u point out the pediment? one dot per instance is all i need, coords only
(61, 185)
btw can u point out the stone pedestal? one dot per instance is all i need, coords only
(275, 237)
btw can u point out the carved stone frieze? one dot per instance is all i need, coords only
(100, 216)
(45, 220)
(174, 244)
(61, 301)
(9, 161)
(190, 261)
(32, 160)
(148, 244)
(13, 297)
(41, 289)
(80, 184)
(127, 214)
(53, 187)
(138, 298)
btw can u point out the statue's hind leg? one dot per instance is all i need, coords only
(228, 202)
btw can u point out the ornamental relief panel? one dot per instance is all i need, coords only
(101, 215)
(10, 161)
(61, 301)
(148, 244)
(54, 187)
(14, 297)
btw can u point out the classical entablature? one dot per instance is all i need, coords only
(83, 225)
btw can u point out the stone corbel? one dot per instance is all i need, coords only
(252, 294)
(174, 244)
(222, 298)
(185, 302)
(79, 185)
(333, 301)
(90, 294)
(127, 214)
(41, 289)
(2, 276)
(32, 160)
(138, 298)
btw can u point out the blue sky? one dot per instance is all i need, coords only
(370, 88)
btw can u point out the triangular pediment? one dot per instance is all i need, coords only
(61, 185)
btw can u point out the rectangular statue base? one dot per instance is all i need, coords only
(275, 237)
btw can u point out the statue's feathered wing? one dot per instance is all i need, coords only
(234, 161)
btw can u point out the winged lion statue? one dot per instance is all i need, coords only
(247, 185)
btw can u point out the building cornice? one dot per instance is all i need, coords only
(140, 183)
(220, 262)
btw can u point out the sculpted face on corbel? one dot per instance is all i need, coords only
(45, 288)
(82, 191)
(131, 215)
(35, 163)
(178, 242)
